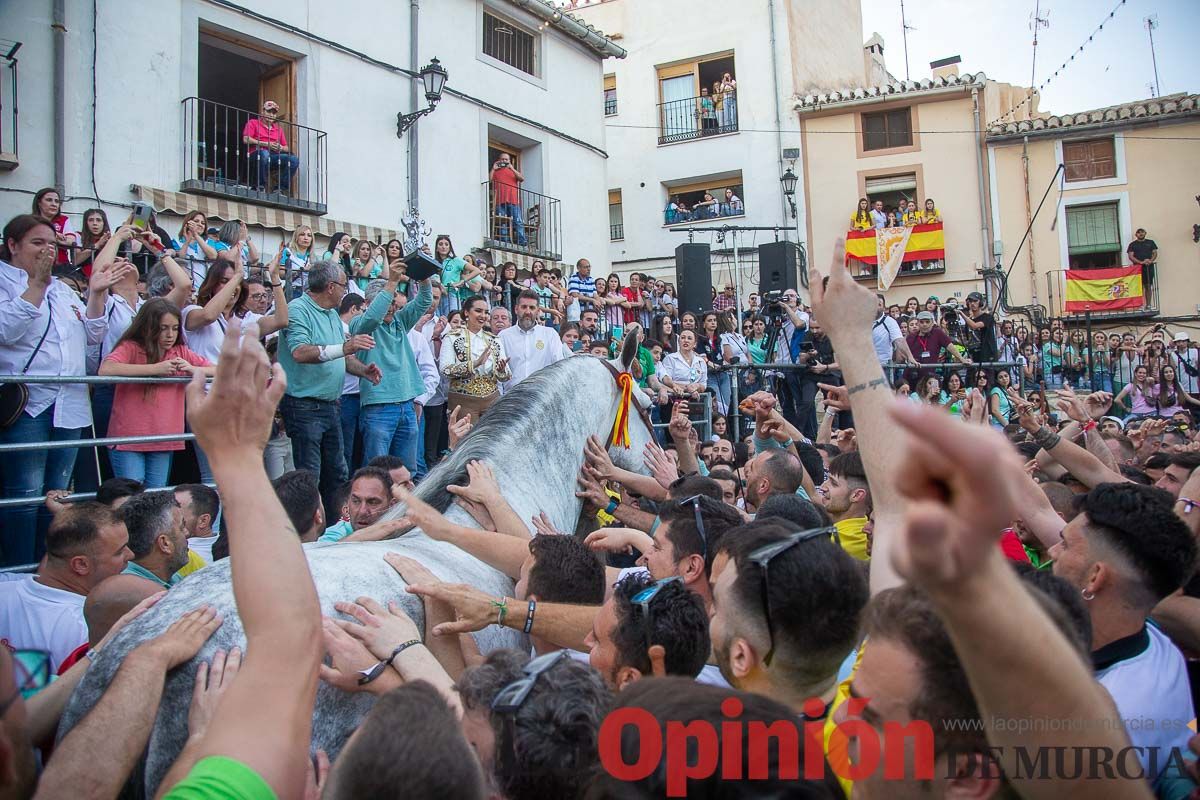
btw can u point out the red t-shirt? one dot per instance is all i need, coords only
(258, 131)
(149, 410)
(504, 181)
(634, 296)
(927, 349)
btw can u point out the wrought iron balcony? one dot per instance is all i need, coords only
(521, 221)
(1056, 296)
(616, 232)
(696, 117)
(218, 161)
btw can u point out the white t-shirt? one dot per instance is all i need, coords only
(350, 382)
(37, 617)
(884, 332)
(207, 340)
(1150, 688)
(203, 545)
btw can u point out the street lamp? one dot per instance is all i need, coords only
(788, 179)
(434, 76)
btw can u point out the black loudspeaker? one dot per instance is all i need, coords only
(693, 277)
(777, 270)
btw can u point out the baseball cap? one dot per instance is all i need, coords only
(976, 296)
(1181, 337)
(1120, 422)
(925, 315)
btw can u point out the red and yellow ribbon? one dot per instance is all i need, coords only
(620, 431)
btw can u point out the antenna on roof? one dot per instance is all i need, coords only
(904, 29)
(1036, 23)
(1152, 23)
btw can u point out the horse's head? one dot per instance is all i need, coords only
(632, 429)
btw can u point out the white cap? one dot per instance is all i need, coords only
(1182, 337)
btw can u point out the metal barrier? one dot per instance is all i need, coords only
(704, 424)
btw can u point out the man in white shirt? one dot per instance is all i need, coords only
(529, 346)
(1186, 360)
(86, 543)
(200, 505)
(431, 379)
(888, 340)
(878, 218)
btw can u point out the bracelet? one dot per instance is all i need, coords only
(612, 505)
(501, 607)
(365, 676)
(1046, 438)
(529, 616)
(1090, 425)
(786, 444)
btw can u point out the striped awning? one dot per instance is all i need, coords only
(256, 215)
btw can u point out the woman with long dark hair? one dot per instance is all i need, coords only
(665, 333)
(338, 251)
(152, 346)
(1142, 395)
(455, 271)
(205, 321)
(861, 219)
(47, 204)
(94, 236)
(1169, 396)
(709, 346)
(32, 304)
(474, 361)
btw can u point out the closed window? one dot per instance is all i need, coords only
(1090, 159)
(1093, 236)
(505, 41)
(885, 129)
(610, 95)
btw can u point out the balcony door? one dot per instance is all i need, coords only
(680, 112)
(277, 84)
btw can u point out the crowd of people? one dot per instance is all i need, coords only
(1012, 541)
(905, 214)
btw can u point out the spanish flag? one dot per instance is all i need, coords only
(1104, 289)
(925, 243)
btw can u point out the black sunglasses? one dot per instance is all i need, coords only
(695, 501)
(508, 701)
(763, 556)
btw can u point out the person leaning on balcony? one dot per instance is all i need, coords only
(1143, 252)
(506, 195)
(708, 111)
(912, 215)
(733, 204)
(269, 147)
(862, 220)
(931, 214)
(45, 329)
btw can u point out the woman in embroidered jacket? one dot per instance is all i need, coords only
(474, 361)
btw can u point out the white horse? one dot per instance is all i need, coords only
(533, 439)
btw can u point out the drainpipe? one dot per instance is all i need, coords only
(58, 30)
(414, 12)
(778, 119)
(1033, 283)
(984, 231)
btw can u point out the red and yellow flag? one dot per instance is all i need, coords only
(925, 243)
(1104, 289)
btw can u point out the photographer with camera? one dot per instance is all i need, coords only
(507, 197)
(981, 329)
(783, 314)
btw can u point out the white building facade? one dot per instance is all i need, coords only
(174, 83)
(663, 150)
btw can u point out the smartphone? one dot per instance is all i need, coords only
(141, 215)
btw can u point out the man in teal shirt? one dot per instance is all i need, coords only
(316, 355)
(157, 537)
(388, 419)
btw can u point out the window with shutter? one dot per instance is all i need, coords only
(1094, 235)
(1090, 159)
(886, 129)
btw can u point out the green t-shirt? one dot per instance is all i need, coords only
(646, 359)
(221, 778)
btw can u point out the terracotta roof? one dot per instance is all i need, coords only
(1153, 109)
(813, 102)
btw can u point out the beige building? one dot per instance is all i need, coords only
(1126, 167)
(905, 140)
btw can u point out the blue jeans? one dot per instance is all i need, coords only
(421, 466)
(285, 164)
(390, 429)
(349, 413)
(721, 384)
(513, 212)
(30, 473)
(151, 468)
(315, 428)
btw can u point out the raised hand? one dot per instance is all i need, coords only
(836, 397)
(959, 503)
(845, 440)
(232, 422)
(975, 407)
(598, 458)
(105, 276)
(542, 526)
(680, 426)
(459, 425)
(843, 305)
(660, 465)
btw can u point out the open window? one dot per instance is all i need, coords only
(696, 201)
(616, 216)
(892, 190)
(283, 163)
(695, 99)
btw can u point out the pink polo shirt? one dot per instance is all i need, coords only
(258, 131)
(149, 409)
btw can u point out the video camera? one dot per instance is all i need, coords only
(772, 304)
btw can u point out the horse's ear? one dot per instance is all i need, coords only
(629, 350)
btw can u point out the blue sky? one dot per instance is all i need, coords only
(995, 37)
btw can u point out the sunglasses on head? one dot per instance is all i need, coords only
(508, 701)
(695, 501)
(763, 557)
(645, 601)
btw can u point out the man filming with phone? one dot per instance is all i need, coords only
(507, 196)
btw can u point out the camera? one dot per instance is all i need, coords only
(772, 304)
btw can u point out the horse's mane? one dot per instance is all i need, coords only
(510, 424)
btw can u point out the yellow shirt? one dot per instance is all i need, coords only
(841, 696)
(932, 216)
(195, 562)
(857, 224)
(913, 218)
(852, 538)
